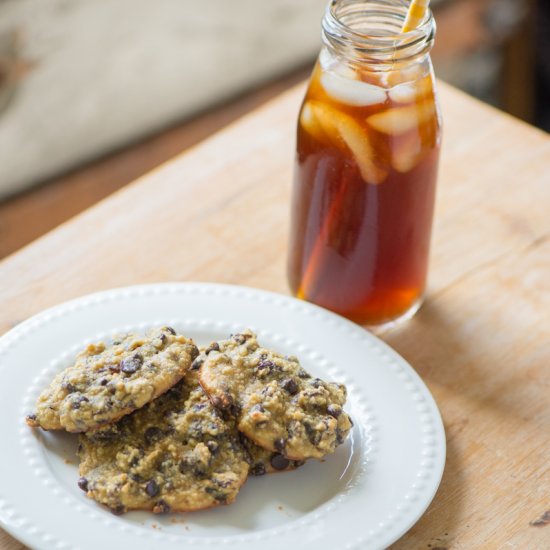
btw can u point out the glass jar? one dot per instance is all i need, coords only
(366, 165)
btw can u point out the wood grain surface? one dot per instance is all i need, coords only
(29, 215)
(220, 213)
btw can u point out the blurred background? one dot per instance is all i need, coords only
(94, 93)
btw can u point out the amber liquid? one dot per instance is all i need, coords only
(360, 247)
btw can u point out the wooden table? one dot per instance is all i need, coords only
(481, 342)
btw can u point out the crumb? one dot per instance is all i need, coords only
(541, 521)
(280, 508)
(187, 528)
(67, 461)
(176, 520)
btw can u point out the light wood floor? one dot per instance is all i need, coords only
(33, 213)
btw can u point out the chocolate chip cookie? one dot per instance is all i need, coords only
(175, 454)
(107, 382)
(261, 460)
(275, 402)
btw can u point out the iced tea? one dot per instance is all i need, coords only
(366, 164)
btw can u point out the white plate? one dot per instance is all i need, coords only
(366, 495)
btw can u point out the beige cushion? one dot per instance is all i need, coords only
(109, 71)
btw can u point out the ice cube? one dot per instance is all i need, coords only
(411, 91)
(402, 119)
(309, 122)
(406, 153)
(359, 144)
(351, 92)
(346, 134)
(404, 93)
(320, 119)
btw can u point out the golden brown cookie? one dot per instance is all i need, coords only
(107, 382)
(275, 402)
(261, 460)
(175, 454)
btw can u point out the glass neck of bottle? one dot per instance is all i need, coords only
(367, 33)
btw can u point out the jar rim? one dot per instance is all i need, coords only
(339, 34)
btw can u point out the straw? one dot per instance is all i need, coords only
(415, 15)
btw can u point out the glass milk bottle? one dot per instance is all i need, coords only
(366, 165)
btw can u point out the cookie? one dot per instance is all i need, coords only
(107, 382)
(275, 402)
(175, 454)
(261, 460)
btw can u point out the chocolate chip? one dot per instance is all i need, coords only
(79, 400)
(216, 493)
(214, 346)
(114, 368)
(103, 382)
(290, 386)
(83, 484)
(69, 387)
(334, 410)
(170, 330)
(223, 401)
(279, 462)
(129, 365)
(316, 382)
(303, 374)
(161, 507)
(266, 364)
(31, 418)
(223, 483)
(134, 462)
(239, 338)
(185, 465)
(135, 477)
(279, 444)
(312, 434)
(212, 446)
(267, 391)
(194, 352)
(235, 409)
(118, 511)
(257, 470)
(200, 473)
(197, 363)
(175, 392)
(152, 434)
(152, 488)
(163, 338)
